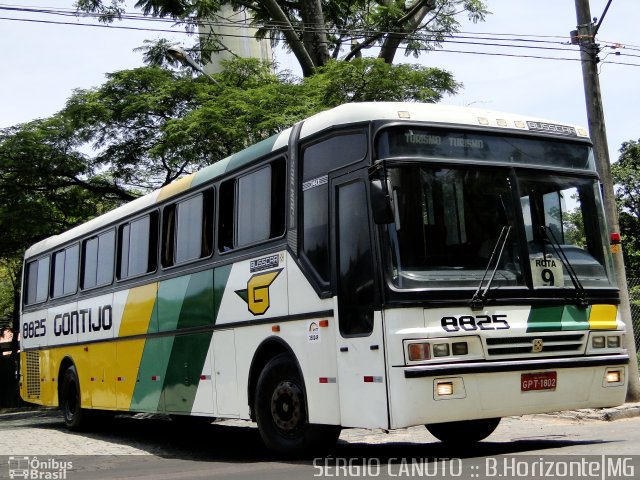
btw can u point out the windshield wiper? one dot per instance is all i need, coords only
(480, 295)
(581, 295)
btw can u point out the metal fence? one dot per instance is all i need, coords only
(634, 300)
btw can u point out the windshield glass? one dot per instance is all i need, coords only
(448, 222)
(562, 217)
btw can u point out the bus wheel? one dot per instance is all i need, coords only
(467, 431)
(281, 411)
(70, 400)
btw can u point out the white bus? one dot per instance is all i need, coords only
(378, 265)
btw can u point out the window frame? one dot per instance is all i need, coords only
(36, 261)
(52, 272)
(152, 246)
(228, 192)
(169, 246)
(324, 285)
(83, 259)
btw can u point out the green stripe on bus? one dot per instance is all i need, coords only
(545, 319)
(558, 318)
(183, 374)
(574, 318)
(234, 161)
(147, 396)
(197, 306)
(171, 366)
(189, 352)
(171, 296)
(210, 172)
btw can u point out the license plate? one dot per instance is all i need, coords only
(538, 381)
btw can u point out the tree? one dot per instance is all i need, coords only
(145, 127)
(316, 31)
(626, 176)
(151, 125)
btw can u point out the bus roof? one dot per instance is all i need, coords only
(350, 113)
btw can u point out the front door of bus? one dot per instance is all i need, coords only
(360, 344)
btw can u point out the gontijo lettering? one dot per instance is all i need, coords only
(82, 321)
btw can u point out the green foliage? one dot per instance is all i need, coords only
(573, 225)
(7, 289)
(373, 80)
(626, 177)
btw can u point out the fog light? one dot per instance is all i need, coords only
(460, 348)
(613, 376)
(597, 342)
(444, 388)
(419, 351)
(441, 350)
(613, 342)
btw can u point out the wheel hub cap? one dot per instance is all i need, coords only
(286, 406)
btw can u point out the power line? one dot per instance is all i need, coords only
(424, 37)
(139, 17)
(458, 38)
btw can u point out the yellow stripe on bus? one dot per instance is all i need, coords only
(603, 317)
(135, 321)
(175, 187)
(138, 310)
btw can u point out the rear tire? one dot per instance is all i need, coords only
(467, 431)
(70, 402)
(281, 412)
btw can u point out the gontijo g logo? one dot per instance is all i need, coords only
(256, 295)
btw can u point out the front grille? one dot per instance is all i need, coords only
(33, 374)
(571, 344)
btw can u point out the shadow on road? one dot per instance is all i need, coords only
(217, 442)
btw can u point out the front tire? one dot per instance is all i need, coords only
(70, 402)
(281, 411)
(467, 431)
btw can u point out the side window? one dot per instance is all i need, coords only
(98, 255)
(37, 281)
(356, 294)
(257, 203)
(318, 160)
(137, 241)
(65, 272)
(254, 206)
(188, 229)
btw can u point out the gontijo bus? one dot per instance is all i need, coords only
(377, 265)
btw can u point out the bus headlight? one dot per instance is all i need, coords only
(613, 341)
(441, 350)
(598, 341)
(460, 348)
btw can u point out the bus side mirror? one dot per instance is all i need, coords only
(381, 203)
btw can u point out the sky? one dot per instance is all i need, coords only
(43, 63)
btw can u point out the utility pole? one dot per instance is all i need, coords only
(589, 49)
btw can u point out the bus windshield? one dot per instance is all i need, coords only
(453, 223)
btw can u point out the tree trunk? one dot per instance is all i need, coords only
(296, 45)
(404, 27)
(314, 35)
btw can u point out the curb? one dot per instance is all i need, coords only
(627, 410)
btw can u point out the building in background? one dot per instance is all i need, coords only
(237, 35)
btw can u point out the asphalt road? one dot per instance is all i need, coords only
(157, 448)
